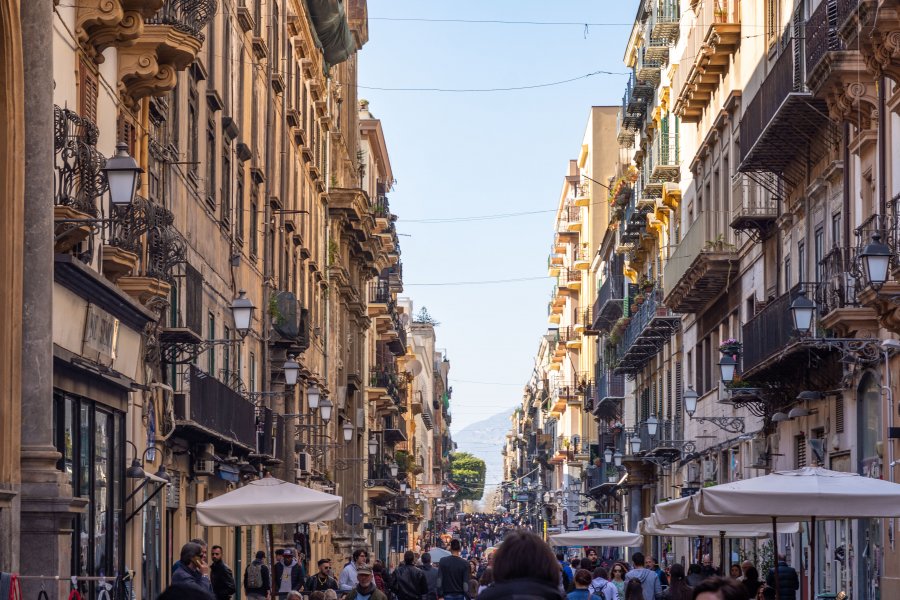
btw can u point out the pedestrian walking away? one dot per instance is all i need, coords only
(408, 581)
(257, 578)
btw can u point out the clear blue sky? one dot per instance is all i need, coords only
(473, 154)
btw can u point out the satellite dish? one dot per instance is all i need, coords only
(404, 320)
(414, 367)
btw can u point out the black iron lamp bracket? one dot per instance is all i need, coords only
(729, 424)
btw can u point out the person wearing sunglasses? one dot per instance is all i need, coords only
(323, 580)
(617, 578)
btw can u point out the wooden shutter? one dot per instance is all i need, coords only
(194, 299)
(88, 91)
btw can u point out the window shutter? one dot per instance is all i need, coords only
(89, 89)
(194, 299)
(800, 445)
(797, 45)
(839, 415)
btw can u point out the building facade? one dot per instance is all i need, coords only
(755, 173)
(233, 317)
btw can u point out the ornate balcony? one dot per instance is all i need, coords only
(554, 262)
(572, 218)
(101, 24)
(772, 348)
(79, 181)
(836, 71)
(781, 122)
(701, 267)
(836, 297)
(608, 396)
(213, 412)
(608, 305)
(711, 42)
(170, 41)
(646, 333)
(570, 281)
(634, 105)
(379, 297)
(581, 258)
(753, 211)
(666, 161)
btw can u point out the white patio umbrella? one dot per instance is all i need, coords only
(437, 554)
(269, 501)
(649, 526)
(596, 537)
(808, 493)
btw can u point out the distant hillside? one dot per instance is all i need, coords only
(485, 439)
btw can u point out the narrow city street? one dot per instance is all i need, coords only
(656, 240)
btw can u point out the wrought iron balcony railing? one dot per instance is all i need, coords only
(771, 330)
(608, 305)
(211, 409)
(79, 180)
(187, 16)
(821, 32)
(646, 333)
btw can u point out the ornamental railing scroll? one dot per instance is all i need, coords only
(79, 177)
(128, 224)
(187, 16)
(166, 247)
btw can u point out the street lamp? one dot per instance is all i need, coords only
(291, 370)
(312, 397)
(726, 367)
(135, 471)
(325, 407)
(876, 257)
(652, 425)
(394, 467)
(348, 431)
(635, 442)
(617, 459)
(373, 446)
(690, 401)
(608, 455)
(242, 312)
(403, 486)
(802, 310)
(121, 172)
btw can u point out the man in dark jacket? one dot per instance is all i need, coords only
(322, 580)
(408, 581)
(788, 582)
(431, 576)
(190, 572)
(453, 574)
(288, 575)
(257, 579)
(220, 576)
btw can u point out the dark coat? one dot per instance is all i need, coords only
(409, 583)
(266, 579)
(788, 581)
(185, 576)
(314, 585)
(296, 576)
(522, 589)
(222, 580)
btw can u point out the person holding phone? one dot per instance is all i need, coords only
(193, 571)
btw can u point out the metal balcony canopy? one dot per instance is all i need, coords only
(331, 29)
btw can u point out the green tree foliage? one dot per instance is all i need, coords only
(423, 316)
(467, 472)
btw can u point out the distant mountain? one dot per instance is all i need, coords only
(485, 439)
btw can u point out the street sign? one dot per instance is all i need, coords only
(353, 515)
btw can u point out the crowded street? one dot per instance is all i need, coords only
(404, 300)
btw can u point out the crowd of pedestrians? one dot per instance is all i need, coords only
(521, 567)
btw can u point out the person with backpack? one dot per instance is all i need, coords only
(256, 578)
(601, 586)
(322, 580)
(582, 591)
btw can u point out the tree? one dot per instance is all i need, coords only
(423, 316)
(467, 472)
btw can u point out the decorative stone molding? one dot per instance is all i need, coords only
(842, 79)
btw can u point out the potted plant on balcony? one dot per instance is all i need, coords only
(730, 347)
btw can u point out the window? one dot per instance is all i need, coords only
(252, 374)
(836, 233)
(211, 157)
(211, 352)
(226, 355)
(820, 253)
(801, 261)
(772, 14)
(226, 63)
(254, 222)
(787, 271)
(225, 208)
(239, 203)
(89, 87)
(91, 441)
(193, 141)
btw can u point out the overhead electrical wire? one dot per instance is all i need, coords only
(500, 22)
(484, 90)
(483, 282)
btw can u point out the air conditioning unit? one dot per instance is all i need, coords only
(204, 467)
(204, 451)
(693, 473)
(304, 464)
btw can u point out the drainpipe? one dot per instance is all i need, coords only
(267, 219)
(845, 157)
(882, 154)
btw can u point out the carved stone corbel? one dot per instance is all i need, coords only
(100, 24)
(150, 66)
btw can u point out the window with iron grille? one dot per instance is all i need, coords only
(771, 24)
(799, 451)
(839, 414)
